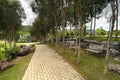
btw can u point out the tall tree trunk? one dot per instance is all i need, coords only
(117, 10)
(76, 48)
(109, 26)
(56, 32)
(91, 27)
(14, 37)
(94, 20)
(70, 28)
(56, 35)
(81, 29)
(5, 42)
(94, 26)
(79, 48)
(55, 26)
(76, 8)
(109, 38)
(14, 43)
(59, 35)
(10, 38)
(14, 40)
(53, 36)
(63, 23)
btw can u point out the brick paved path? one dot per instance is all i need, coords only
(48, 65)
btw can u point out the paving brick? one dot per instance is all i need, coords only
(46, 64)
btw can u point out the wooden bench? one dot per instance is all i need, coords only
(95, 48)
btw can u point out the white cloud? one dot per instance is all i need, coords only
(102, 21)
(30, 15)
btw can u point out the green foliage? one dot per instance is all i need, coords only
(100, 31)
(25, 30)
(17, 71)
(10, 19)
(24, 34)
(115, 32)
(10, 53)
(11, 13)
(38, 29)
(54, 13)
(69, 33)
(2, 45)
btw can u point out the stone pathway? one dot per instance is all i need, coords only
(46, 64)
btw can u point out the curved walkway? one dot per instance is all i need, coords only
(46, 64)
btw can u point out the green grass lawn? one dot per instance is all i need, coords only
(90, 67)
(18, 44)
(17, 71)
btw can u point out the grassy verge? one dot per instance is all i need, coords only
(91, 67)
(17, 71)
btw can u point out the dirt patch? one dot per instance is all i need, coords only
(16, 60)
(7, 64)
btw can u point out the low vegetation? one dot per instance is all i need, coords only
(12, 66)
(8, 54)
(90, 67)
(17, 71)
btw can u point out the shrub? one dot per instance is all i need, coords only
(2, 45)
(100, 31)
(11, 53)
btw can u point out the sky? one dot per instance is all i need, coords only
(30, 16)
(103, 21)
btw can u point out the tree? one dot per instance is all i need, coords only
(117, 11)
(38, 30)
(15, 13)
(3, 13)
(94, 8)
(100, 31)
(98, 7)
(49, 16)
(113, 7)
(10, 19)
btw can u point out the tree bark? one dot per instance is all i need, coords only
(76, 45)
(91, 27)
(14, 43)
(81, 29)
(10, 38)
(53, 36)
(94, 26)
(76, 8)
(63, 23)
(79, 48)
(55, 26)
(5, 42)
(94, 20)
(70, 28)
(117, 10)
(59, 35)
(109, 38)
